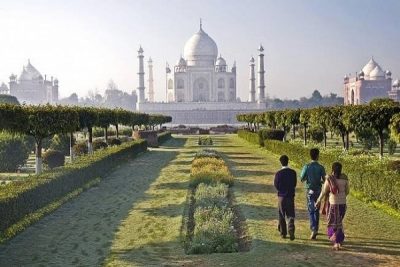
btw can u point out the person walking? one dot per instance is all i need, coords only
(336, 188)
(285, 183)
(313, 174)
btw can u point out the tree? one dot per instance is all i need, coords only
(45, 121)
(282, 121)
(304, 119)
(293, 119)
(316, 96)
(88, 118)
(8, 99)
(336, 123)
(270, 119)
(106, 117)
(320, 119)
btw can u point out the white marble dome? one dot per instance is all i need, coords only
(396, 83)
(369, 67)
(377, 73)
(200, 49)
(29, 72)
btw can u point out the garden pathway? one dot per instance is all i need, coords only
(133, 218)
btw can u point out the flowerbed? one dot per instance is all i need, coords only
(205, 141)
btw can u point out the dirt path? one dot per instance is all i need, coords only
(81, 232)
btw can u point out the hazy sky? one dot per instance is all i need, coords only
(308, 44)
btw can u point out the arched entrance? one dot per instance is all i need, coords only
(201, 90)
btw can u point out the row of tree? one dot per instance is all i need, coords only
(44, 121)
(380, 115)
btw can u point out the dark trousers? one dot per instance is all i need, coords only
(286, 210)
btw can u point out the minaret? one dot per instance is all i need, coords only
(252, 85)
(261, 73)
(141, 75)
(151, 81)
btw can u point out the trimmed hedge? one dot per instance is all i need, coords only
(162, 137)
(20, 199)
(13, 151)
(271, 134)
(250, 137)
(54, 158)
(368, 175)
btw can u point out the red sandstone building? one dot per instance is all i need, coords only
(372, 82)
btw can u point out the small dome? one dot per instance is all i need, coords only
(220, 61)
(370, 66)
(388, 73)
(377, 73)
(181, 62)
(345, 77)
(396, 83)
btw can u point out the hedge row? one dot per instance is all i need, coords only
(367, 174)
(163, 137)
(20, 199)
(250, 137)
(261, 135)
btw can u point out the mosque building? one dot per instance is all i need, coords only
(201, 88)
(372, 82)
(30, 87)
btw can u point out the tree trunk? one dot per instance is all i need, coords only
(347, 141)
(343, 140)
(116, 129)
(324, 138)
(106, 134)
(305, 135)
(381, 144)
(38, 158)
(71, 144)
(294, 132)
(90, 142)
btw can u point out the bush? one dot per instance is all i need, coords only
(271, 134)
(127, 131)
(80, 149)
(394, 166)
(13, 151)
(54, 158)
(211, 153)
(114, 142)
(98, 132)
(316, 135)
(391, 146)
(61, 142)
(162, 137)
(250, 137)
(205, 141)
(35, 192)
(98, 144)
(367, 138)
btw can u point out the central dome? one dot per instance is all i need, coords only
(200, 49)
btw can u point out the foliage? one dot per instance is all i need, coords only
(61, 142)
(205, 141)
(35, 192)
(207, 152)
(13, 151)
(54, 158)
(80, 149)
(250, 136)
(317, 135)
(391, 146)
(127, 131)
(209, 170)
(162, 137)
(367, 137)
(8, 99)
(99, 144)
(271, 134)
(114, 142)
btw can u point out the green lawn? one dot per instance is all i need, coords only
(133, 218)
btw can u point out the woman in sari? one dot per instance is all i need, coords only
(334, 192)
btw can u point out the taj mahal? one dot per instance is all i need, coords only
(200, 88)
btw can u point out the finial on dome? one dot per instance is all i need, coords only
(260, 48)
(201, 25)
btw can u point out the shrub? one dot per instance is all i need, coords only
(114, 142)
(127, 131)
(205, 141)
(54, 158)
(35, 192)
(316, 135)
(80, 149)
(61, 142)
(98, 132)
(391, 146)
(394, 166)
(211, 153)
(367, 138)
(98, 144)
(162, 137)
(13, 151)
(271, 134)
(250, 137)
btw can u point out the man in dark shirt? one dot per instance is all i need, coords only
(285, 182)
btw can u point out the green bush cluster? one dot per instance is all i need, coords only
(54, 158)
(19, 200)
(162, 137)
(251, 137)
(376, 179)
(205, 141)
(14, 151)
(207, 152)
(209, 170)
(213, 218)
(272, 134)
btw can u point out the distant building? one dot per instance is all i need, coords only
(395, 92)
(372, 82)
(200, 88)
(30, 87)
(4, 89)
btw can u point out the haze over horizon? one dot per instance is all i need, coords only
(308, 44)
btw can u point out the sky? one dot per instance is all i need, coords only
(309, 44)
